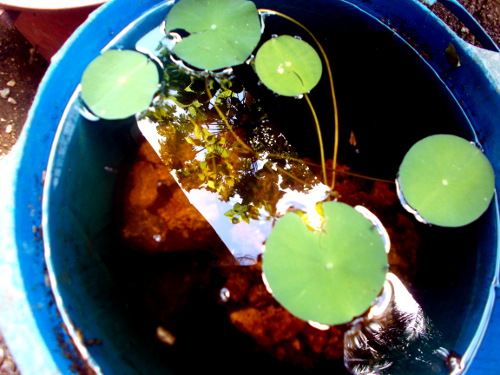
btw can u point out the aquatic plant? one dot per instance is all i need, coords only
(328, 274)
(217, 34)
(119, 83)
(288, 66)
(208, 144)
(446, 180)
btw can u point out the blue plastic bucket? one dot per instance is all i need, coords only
(59, 309)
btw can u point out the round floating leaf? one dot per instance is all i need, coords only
(118, 84)
(288, 66)
(222, 33)
(328, 276)
(447, 180)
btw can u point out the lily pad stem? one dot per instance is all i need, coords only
(226, 122)
(320, 138)
(237, 137)
(330, 77)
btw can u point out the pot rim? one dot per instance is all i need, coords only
(48, 5)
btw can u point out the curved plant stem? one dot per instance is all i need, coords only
(359, 175)
(339, 171)
(295, 178)
(241, 142)
(320, 139)
(226, 122)
(330, 77)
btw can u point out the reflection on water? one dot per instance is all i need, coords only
(241, 173)
(396, 337)
(233, 164)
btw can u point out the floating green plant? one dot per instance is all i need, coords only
(220, 33)
(118, 84)
(288, 66)
(216, 139)
(446, 180)
(330, 274)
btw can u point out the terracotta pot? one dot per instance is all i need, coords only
(47, 26)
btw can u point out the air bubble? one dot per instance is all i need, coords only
(224, 295)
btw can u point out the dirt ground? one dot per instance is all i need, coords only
(22, 68)
(486, 12)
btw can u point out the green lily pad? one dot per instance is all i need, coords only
(222, 33)
(446, 180)
(288, 66)
(119, 83)
(328, 276)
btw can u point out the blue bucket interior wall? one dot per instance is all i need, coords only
(80, 183)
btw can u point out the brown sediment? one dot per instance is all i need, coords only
(154, 204)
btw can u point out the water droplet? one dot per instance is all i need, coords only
(274, 36)
(298, 37)
(224, 295)
(157, 237)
